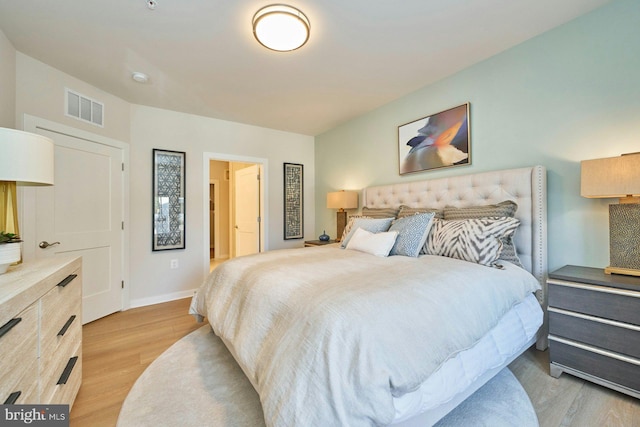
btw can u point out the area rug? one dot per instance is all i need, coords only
(196, 382)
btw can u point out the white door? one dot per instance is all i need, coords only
(82, 214)
(247, 210)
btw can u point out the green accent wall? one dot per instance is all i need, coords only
(570, 94)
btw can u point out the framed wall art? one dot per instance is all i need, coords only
(168, 200)
(293, 201)
(437, 141)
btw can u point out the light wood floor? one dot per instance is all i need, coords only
(117, 349)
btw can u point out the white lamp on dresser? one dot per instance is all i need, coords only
(25, 159)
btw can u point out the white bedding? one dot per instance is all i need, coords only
(331, 337)
(515, 330)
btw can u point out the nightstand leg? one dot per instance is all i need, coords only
(555, 371)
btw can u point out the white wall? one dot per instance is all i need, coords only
(151, 276)
(7, 82)
(567, 95)
(40, 92)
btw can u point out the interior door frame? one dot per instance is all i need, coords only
(216, 217)
(27, 199)
(264, 199)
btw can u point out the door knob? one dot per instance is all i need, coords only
(44, 244)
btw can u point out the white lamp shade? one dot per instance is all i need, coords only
(280, 27)
(611, 177)
(342, 200)
(26, 158)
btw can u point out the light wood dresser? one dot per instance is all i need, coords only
(41, 332)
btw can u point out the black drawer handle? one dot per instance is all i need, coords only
(9, 325)
(67, 370)
(66, 325)
(68, 280)
(12, 398)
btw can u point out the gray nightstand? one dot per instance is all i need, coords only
(594, 327)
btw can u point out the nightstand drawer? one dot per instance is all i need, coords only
(614, 304)
(620, 372)
(619, 338)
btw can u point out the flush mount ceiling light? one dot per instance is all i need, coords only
(280, 27)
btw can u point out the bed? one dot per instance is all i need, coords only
(334, 336)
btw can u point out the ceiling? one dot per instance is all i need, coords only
(202, 58)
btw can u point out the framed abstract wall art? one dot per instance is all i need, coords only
(293, 201)
(437, 141)
(168, 200)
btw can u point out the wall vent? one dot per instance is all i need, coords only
(83, 108)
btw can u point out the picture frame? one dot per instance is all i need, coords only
(293, 201)
(168, 217)
(436, 141)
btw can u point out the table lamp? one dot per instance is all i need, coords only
(342, 200)
(617, 177)
(25, 159)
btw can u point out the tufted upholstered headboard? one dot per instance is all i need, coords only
(525, 186)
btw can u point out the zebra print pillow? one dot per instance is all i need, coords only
(476, 240)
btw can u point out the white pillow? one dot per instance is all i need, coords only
(378, 244)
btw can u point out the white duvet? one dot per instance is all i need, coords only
(329, 336)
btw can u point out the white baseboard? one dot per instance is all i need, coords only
(142, 302)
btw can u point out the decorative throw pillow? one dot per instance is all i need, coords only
(476, 240)
(370, 224)
(408, 211)
(349, 225)
(412, 233)
(378, 244)
(380, 212)
(507, 208)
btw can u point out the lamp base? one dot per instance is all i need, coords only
(624, 239)
(625, 271)
(341, 220)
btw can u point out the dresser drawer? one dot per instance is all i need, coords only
(614, 336)
(614, 304)
(620, 372)
(60, 383)
(19, 367)
(61, 316)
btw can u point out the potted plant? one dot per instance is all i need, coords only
(10, 246)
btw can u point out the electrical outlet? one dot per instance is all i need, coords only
(174, 263)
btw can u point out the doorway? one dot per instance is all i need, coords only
(221, 195)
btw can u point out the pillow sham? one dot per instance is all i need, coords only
(507, 208)
(408, 211)
(378, 244)
(347, 228)
(380, 212)
(412, 233)
(476, 240)
(370, 224)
